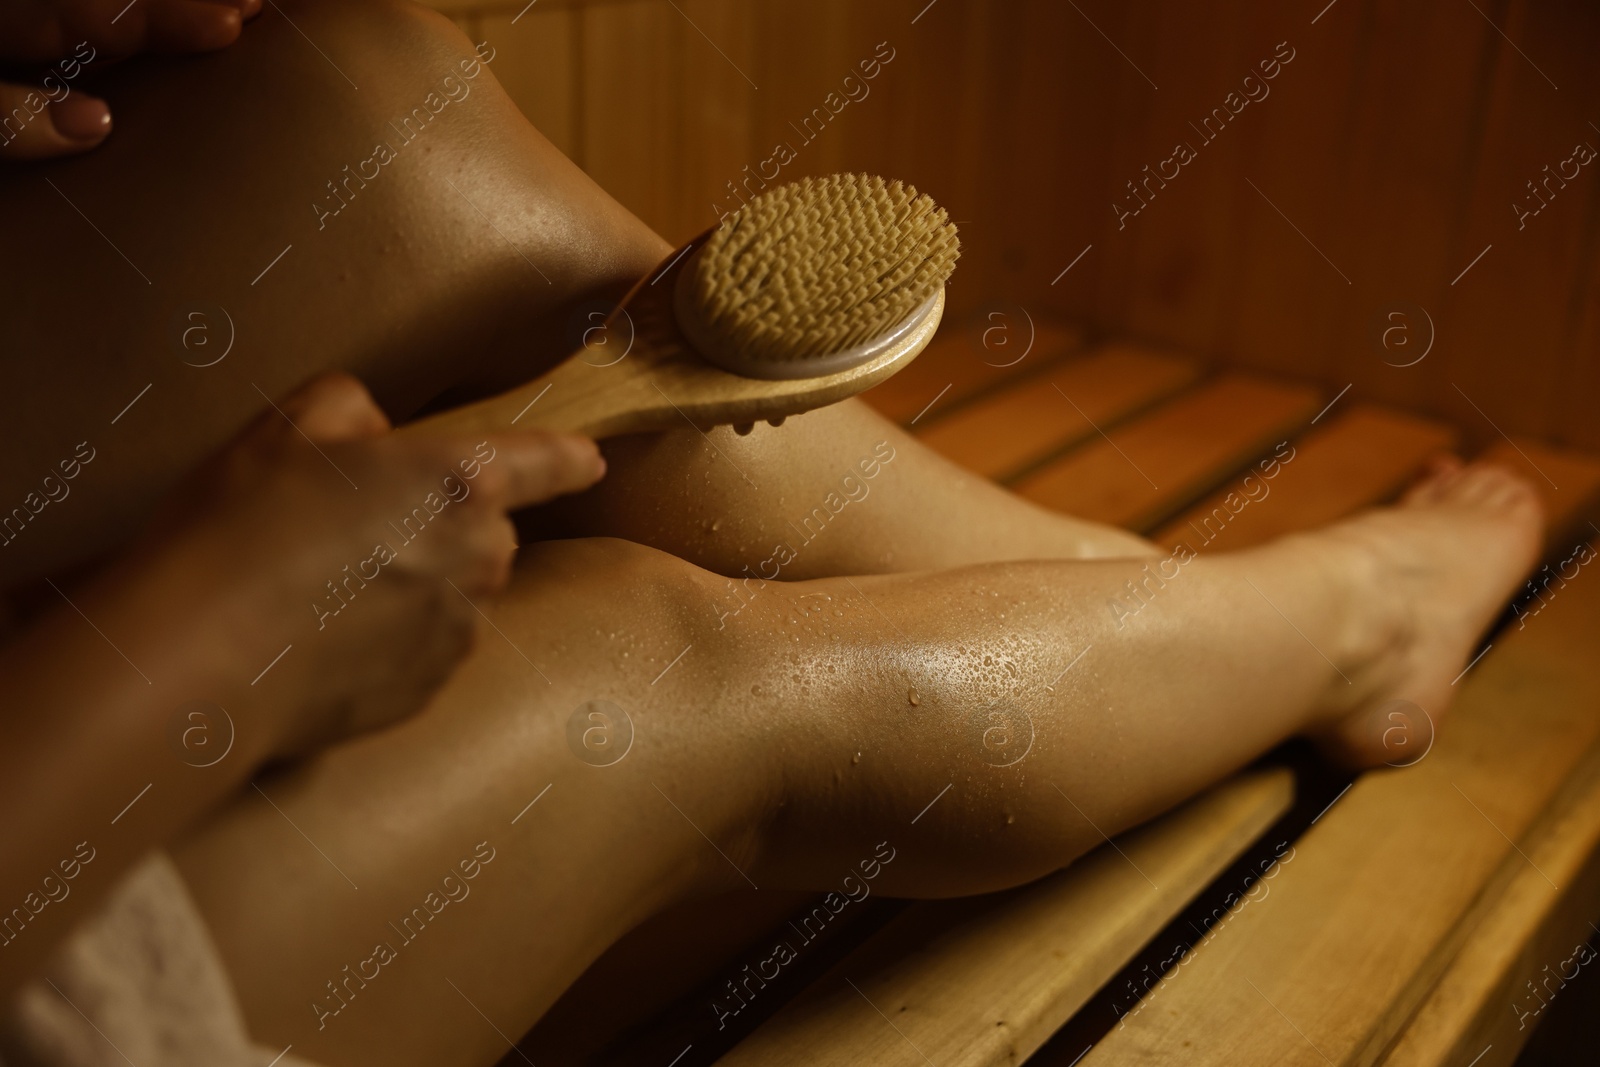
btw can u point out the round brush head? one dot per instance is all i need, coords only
(816, 276)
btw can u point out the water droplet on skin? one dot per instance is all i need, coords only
(716, 524)
(1010, 818)
(855, 759)
(913, 698)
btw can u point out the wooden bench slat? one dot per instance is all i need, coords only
(1525, 929)
(1362, 457)
(1358, 928)
(984, 981)
(1015, 427)
(1152, 465)
(955, 367)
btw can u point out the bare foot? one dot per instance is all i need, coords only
(1443, 564)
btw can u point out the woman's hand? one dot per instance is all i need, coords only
(358, 549)
(55, 118)
(262, 597)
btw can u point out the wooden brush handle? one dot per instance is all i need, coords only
(592, 391)
(575, 397)
(660, 383)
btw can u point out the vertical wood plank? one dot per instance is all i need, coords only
(1512, 311)
(631, 60)
(1168, 258)
(1580, 373)
(1040, 165)
(718, 109)
(468, 22)
(1411, 141)
(1290, 283)
(536, 62)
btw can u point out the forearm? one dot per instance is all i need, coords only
(127, 718)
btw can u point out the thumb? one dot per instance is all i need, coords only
(33, 126)
(538, 466)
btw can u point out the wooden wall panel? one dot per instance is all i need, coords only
(1511, 316)
(1395, 142)
(1152, 265)
(1580, 375)
(717, 121)
(630, 82)
(804, 51)
(1060, 96)
(1405, 179)
(536, 59)
(1295, 279)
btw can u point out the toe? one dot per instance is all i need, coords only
(1437, 476)
(1509, 490)
(1478, 486)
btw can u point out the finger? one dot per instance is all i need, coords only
(32, 126)
(109, 29)
(191, 25)
(536, 466)
(335, 407)
(248, 9)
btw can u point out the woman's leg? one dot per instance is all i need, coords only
(722, 501)
(454, 268)
(208, 218)
(798, 740)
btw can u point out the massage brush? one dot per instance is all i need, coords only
(809, 293)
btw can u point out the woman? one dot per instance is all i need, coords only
(637, 725)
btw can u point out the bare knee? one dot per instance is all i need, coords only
(389, 22)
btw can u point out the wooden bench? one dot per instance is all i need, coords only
(1411, 910)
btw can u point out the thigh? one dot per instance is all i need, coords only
(237, 234)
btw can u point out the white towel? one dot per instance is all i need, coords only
(139, 981)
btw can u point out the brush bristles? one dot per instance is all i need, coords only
(819, 266)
